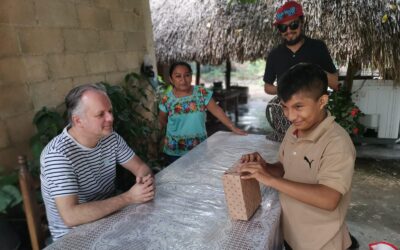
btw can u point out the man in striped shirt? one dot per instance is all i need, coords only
(78, 167)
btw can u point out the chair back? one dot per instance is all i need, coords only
(276, 118)
(34, 212)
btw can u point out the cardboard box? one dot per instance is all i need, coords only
(243, 197)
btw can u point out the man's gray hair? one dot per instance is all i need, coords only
(73, 98)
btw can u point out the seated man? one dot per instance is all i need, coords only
(78, 167)
(315, 168)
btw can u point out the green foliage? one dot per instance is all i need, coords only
(249, 70)
(9, 192)
(140, 132)
(210, 73)
(346, 111)
(253, 71)
(162, 89)
(48, 123)
(128, 101)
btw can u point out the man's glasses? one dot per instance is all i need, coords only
(292, 26)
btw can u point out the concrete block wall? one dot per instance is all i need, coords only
(49, 46)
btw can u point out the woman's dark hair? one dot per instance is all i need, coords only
(176, 64)
(303, 77)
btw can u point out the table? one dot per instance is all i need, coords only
(189, 210)
(225, 96)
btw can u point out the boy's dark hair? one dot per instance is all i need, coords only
(176, 64)
(303, 77)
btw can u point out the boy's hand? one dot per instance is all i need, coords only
(253, 157)
(257, 171)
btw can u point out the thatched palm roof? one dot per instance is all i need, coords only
(211, 31)
(367, 32)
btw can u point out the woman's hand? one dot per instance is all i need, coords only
(217, 111)
(237, 130)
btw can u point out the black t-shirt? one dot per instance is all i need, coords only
(282, 58)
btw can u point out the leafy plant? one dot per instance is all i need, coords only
(249, 71)
(129, 122)
(129, 103)
(10, 195)
(49, 123)
(346, 111)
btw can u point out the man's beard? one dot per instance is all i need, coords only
(295, 41)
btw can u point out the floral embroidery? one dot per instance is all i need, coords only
(183, 144)
(193, 106)
(203, 91)
(164, 99)
(186, 107)
(178, 108)
(176, 141)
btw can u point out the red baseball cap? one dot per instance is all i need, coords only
(290, 10)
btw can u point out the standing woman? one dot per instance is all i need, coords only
(183, 111)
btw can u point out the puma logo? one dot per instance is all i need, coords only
(308, 161)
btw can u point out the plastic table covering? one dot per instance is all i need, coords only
(189, 210)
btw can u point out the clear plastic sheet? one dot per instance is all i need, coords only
(189, 209)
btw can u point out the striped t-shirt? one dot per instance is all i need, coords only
(69, 168)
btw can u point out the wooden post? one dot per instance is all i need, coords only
(228, 74)
(352, 68)
(197, 73)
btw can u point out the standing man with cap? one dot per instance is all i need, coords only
(295, 48)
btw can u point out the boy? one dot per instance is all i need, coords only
(315, 167)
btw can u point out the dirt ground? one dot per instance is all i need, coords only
(374, 210)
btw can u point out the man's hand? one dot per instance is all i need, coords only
(140, 179)
(142, 191)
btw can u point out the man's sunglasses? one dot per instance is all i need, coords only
(292, 26)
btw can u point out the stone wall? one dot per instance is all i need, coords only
(49, 46)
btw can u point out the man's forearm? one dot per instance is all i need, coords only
(270, 89)
(77, 214)
(333, 80)
(137, 167)
(144, 171)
